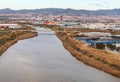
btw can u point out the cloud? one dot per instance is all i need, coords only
(100, 5)
(97, 4)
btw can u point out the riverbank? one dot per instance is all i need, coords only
(99, 59)
(5, 46)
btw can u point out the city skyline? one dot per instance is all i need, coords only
(74, 4)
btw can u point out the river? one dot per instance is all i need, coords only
(44, 59)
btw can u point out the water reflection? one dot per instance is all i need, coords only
(44, 59)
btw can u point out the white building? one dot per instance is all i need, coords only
(10, 25)
(94, 25)
(96, 34)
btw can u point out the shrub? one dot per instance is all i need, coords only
(118, 49)
(111, 46)
(2, 41)
(100, 46)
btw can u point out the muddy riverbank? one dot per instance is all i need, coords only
(4, 47)
(44, 59)
(99, 59)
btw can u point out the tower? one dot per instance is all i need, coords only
(61, 18)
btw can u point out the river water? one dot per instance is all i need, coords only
(44, 59)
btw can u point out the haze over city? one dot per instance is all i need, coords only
(74, 4)
(59, 41)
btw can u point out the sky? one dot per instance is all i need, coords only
(74, 4)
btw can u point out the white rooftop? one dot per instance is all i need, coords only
(8, 24)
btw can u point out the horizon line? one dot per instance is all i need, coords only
(58, 8)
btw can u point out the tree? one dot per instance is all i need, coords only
(100, 46)
(118, 49)
(111, 46)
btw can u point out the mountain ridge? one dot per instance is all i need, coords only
(60, 11)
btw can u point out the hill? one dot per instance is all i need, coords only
(60, 11)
